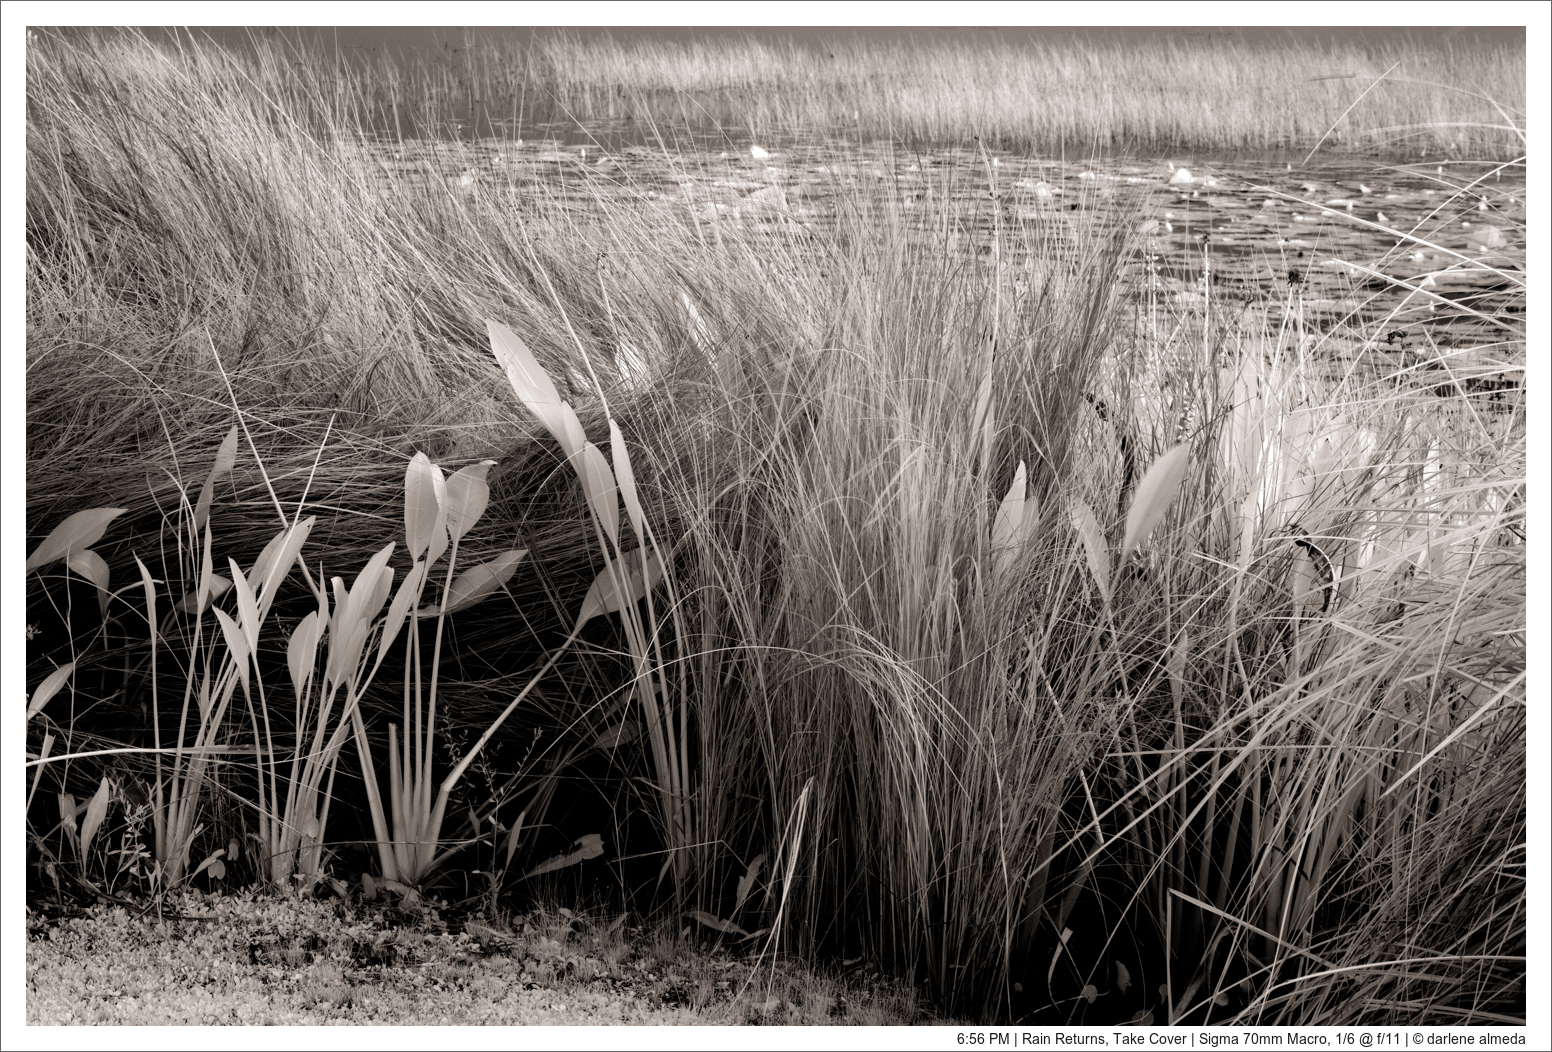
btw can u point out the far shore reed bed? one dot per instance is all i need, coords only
(1075, 661)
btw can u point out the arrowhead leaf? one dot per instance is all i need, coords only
(226, 456)
(533, 387)
(467, 495)
(604, 598)
(79, 531)
(1007, 529)
(1155, 493)
(1093, 545)
(48, 688)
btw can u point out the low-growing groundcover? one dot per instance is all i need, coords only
(248, 960)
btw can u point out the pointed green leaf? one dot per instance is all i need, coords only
(713, 921)
(477, 583)
(425, 518)
(302, 651)
(409, 591)
(79, 531)
(96, 810)
(618, 735)
(625, 475)
(746, 882)
(467, 495)
(91, 566)
(1093, 545)
(226, 456)
(48, 688)
(598, 487)
(235, 642)
(517, 830)
(1007, 528)
(604, 597)
(533, 387)
(1157, 490)
(590, 846)
(274, 563)
(247, 606)
(219, 586)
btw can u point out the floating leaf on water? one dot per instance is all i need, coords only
(1123, 977)
(81, 530)
(1142, 1018)
(1091, 993)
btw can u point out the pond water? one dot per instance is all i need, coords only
(1379, 258)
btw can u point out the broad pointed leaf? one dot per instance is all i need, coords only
(1031, 524)
(618, 735)
(274, 563)
(95, 811)
(219, 586)
(590, 846)
(226, 456)
(79, 531)
(713, 921)
(746, 882)
(467, 495)
(247, 606)
(236, 643)
(517, 829)
(68, 808)
(424, 514)
(625, 475)
(1007, 528)
(91, 566)
(409, 591)
(598, 487)
(532, 385)
(604, 597)
(1093, 545)
(475, 584)
(1155, 493)
(48, 688)
(302, 651)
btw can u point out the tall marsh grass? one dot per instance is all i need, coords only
(1076, 669)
